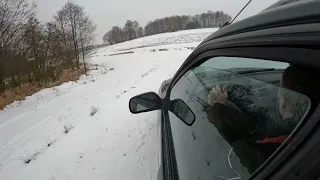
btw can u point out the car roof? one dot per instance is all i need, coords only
(282, 13)
(280, 3)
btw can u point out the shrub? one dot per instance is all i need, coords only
(29, 157)
(49, 142)
(67, 128)
(94, 110)
(27, 89)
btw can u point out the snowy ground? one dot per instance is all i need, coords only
(108, 144)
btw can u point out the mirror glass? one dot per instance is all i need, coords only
(145, 102)
(182, 111)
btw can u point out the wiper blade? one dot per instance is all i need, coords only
(255, 70)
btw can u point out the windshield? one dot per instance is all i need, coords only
(240, 114)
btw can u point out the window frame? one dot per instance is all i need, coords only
(271, 53)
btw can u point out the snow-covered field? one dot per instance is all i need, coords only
(103, 140)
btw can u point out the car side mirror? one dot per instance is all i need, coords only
(145, 102)
(150, 101)
(179, 108)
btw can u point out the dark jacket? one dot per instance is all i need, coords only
(254, 132)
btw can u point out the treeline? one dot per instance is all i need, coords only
(31, 51)
(132, 30)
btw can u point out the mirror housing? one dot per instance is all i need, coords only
(145, 102)
(150, 101)
(179, 108)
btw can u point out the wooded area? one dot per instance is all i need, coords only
(133, 30)
(37, 53)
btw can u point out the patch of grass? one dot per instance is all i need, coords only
(27, 89)
(49, 142)
(191, 48)
(67, 128)
(93, 110)
(93, 66)
(29, 157)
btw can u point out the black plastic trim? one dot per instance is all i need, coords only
(170, 170)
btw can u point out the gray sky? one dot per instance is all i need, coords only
(107, 13)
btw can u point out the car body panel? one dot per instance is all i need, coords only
(267, 52)
(297, 12)
(290, 25)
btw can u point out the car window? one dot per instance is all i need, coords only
(245, 109)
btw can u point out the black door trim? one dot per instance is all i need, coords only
(280, 54)
(170, 170)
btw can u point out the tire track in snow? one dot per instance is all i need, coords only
(20, 140)
(23, 134)
(133, 86)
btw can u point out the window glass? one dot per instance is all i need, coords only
(245, 109)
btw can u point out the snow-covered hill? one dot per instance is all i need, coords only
(84, 130)
(180, 37)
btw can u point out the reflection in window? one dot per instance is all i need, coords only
(243, 114)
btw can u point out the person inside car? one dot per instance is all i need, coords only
(251, 130)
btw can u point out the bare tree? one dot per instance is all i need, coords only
(136, 29)
(13, 15)
(72, 12)
(129, 30)
(86, 35)
(176, 23)
(60, 26)
(115, 35)
(31, 51)
(140, 32)
(76, 30)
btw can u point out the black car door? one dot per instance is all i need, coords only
(271, 108)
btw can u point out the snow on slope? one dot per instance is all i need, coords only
(180, 37)
(111, 144)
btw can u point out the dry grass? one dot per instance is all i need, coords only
(94, 110)
(18, 94)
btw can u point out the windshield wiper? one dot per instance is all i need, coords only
(255, 70)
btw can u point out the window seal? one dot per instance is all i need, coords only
(270, 53)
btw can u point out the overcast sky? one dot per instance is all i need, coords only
(107, 13)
